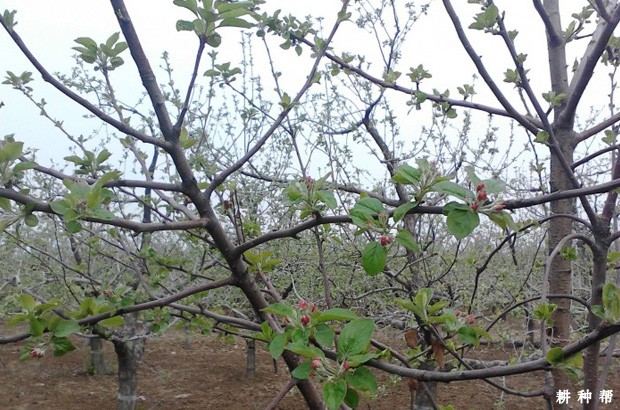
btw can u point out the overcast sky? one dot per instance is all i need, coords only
(49, 28)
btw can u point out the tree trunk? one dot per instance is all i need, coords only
(250, 367)
(591, 355)
(97, 361)
(560, 276)
(129, 355)
(129, 352)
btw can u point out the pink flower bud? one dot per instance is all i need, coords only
(385, 240)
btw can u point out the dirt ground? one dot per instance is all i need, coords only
(210, 374)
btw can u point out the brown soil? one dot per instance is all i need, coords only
(210, 374)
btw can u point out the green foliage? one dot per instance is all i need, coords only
(544, 311)
(305, 324)
(355, 338)
(105, 56)
(374, 258)
(41, 319)
(418, 74)
(334, 393)
(91, 164)
(571, 365)
(309, 196)
(261, 261)
(9, 19)
(554, 99)
(12, 166)
(85, 201)
(224, 71)
(429, 314)
(487, 19)
(19, 81)
(611, 303)
(213, 15)
(461, 219)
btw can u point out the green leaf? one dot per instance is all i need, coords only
(188, 4)
(599, 311)
(407, 304)
(302, 372)
(406, 239)
(611, 302)
(401, 211)
(503, 220)
(5, 222)
(235, 22)
(65, 328)
(423, 297)
(10, 151)
(36, 327)
(406, 174)
(31, 220)
(355, 337)
(494, 186)
(184, 25)
(454, 189)
(544, 311)
(27, 302)
(276, 347)
(328, 198)
(359, 359)
(352, 398)
(73, 226)
(112, 40)
(338, 314)
(462, 222)
(304, 350)
(86, 42)
(23, 166)
(324, 335)
(5, 204)
(62, 345)
(468, 336)
(362, 379)
(555, 355)
(486, 19)
(114, 321)
(471, 175)
(16, 319)
(214, 40)
(374, 258)
(334, 393)
(280, 309)
(542, 137)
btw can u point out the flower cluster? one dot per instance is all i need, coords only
(482, 202)
(305, 308)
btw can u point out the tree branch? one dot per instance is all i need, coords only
(47, 77)
(149, 81)
(590, 58)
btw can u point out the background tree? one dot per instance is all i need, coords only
(253, 190)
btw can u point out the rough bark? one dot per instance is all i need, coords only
(250, 367)
(129, 350)
(97, 360)
(592, 353)
(560, 277)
